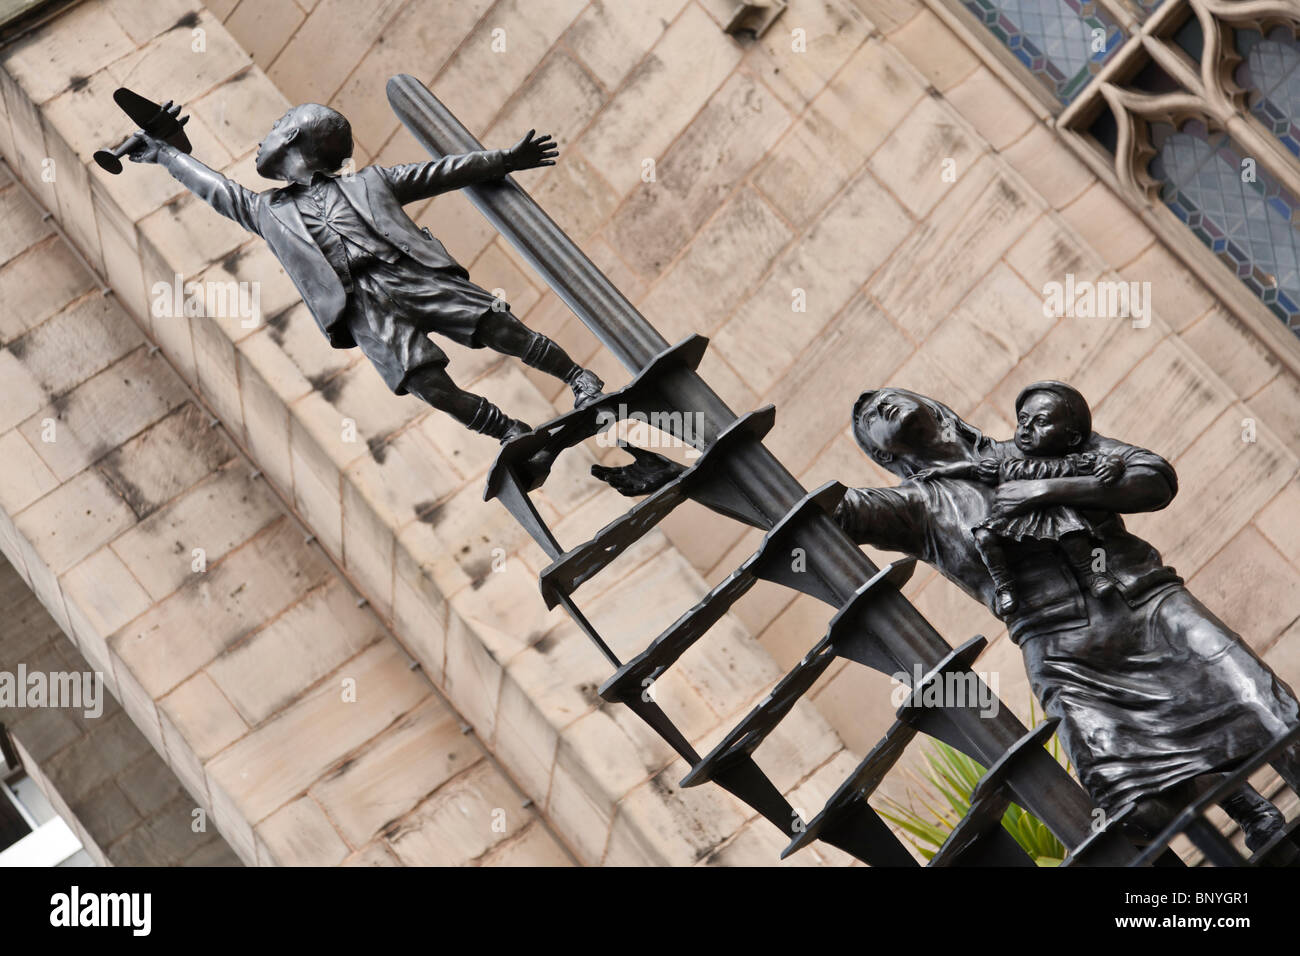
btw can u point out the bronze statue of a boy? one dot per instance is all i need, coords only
(371, 278)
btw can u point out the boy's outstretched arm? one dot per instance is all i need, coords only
(414, 181)
(224, 195)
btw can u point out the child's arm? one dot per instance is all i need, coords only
(421, 180)
(961, 469)
(1109, 469)
(224, 195)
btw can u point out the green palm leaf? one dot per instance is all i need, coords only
(951, 777)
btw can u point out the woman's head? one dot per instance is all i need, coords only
(1052, 419)
(905, 432)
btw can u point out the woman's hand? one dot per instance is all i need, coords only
(1016, 497)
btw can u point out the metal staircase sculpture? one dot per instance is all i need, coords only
(737, 476)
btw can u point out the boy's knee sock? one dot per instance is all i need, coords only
(547, 356)
(489, 420)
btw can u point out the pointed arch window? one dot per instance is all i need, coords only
(1241, 214)
(1190, 110)
(1062, 43)
(1270, 73)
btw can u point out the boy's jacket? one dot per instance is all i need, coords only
(377, 192)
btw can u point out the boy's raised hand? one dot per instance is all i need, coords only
(529, 153)
(145, 149)
(146, 146)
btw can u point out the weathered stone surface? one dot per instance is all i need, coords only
(85, 338)
(25, 477)
(498, 55)
(926, 155)
(104, 591)
(299, 834)
(726, 259)
(818, 275)
(268, 670)
(36, 284)
(807, 48)
(934, 50)
(946, 256)
(1261, 612)
(158, 464)
(611, 37)
(1172, 377)
(397, 770)
(671, 84)
(561, 98)
(693, 177)
(203, 715)
(103, 412)
(1000, 117)
(46, 62)
(420, 38)
(1222, 482)
(219, 607)
(73, 520)
(462, 821)
(283, 757)
(23, 221)
(215, 515)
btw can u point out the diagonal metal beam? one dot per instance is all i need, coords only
(905, 635)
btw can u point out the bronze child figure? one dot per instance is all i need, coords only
(1052, 423)
(371, 278)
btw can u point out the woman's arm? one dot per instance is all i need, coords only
(961, 469)
(888, 518)
(1140, 488)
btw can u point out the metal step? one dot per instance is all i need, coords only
(979, 838)
(526, 459)
(569, 571)
(745, 737)
(1282, 850)
(785, 561)
(851, 796)
(772, 561)
(1216, 847)
(641, 671)
(844, 628)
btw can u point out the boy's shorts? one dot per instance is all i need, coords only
(394, 306)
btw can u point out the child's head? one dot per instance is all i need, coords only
(1052, 419)
(307, 139)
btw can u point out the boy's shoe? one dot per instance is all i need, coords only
(586, 388)
(515, 429)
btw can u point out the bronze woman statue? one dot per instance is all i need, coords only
(1157, 697)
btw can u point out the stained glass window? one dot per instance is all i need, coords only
(1145, 8)
(1270, 70)
(1240, 212)
(1064, 43)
